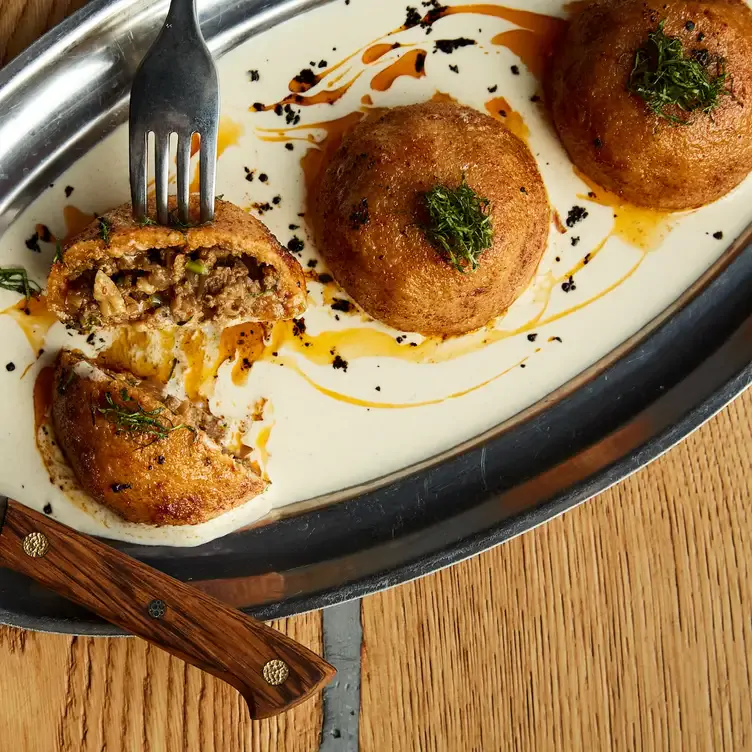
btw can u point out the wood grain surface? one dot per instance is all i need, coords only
(625, 624)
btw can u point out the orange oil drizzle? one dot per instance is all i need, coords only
(500, 109)
(34, 318)
(367, 100)
(243, 344)
(377, 51)
(640, 227)
(76, 221)
(131, 350)
(441, 96)
(411, 64)
(228, 135)
(260, 444)
(43, 396)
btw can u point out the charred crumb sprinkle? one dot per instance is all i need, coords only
(360, 215)
(558, 258)
(412, 17)
(576, 214)
(503, 113)
(532, 337)
(258, 106)
(90, 339)
(277, 200)
(278, 109)
(515, 70)
(246, 366)
(160, 459)
(535, 98)
(378, 388)
(591, 194)
(68, 191)
(289, 147)
(10, 367)
(306, 77)
(339, 363)
(263, 177)
(44, 234)
(400, 339)
(298, 327)
(597, 143)
(523, 189)
(575, 240)
(32, 243)
(718, 235)
(47, 508)
(569, 285)
(522, 365)
(555, 339)
(312, 263)
(420, 62)
(325, 279)
(493, 89)
(448, 46)
(295, 244)
(118, 487)
(586, 260)
(293, 227)
(262, 208)
(454, 68)
(340, 304)
(249, 174)
(322, 63)
(253, 75)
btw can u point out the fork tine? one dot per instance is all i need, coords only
(137, 145)
(184, 180)
(162, 175)
(208, 170)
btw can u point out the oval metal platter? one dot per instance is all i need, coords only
(63, 96)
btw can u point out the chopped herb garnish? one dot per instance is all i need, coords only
(58, 257)
(15, 279)
(459, 224)
(138, 421)
(104, 229)
(145, 221)
(667, 80)
(197, 267)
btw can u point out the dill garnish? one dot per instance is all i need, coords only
(104, 229)
(664, 78)
(58, 253)
(138, 420)
(145, 221)
(15, 279)
(459, 224)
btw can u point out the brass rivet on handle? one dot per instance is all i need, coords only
(35, 545)
(276, 672)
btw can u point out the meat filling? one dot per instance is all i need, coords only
(210, 283)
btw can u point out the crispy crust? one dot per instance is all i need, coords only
(232, 229)
(183, 479)
(386, 264)
(613, 137)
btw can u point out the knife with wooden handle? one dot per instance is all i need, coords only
(271, 671)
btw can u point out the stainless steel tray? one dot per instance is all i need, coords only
(70, 89)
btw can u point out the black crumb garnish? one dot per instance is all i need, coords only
(44, 234)
(161, 459)
(378, 388)
(554, 339)
(262, 207)
(312, 263)
(360, 215)
(322, 63)
(493, 89)
(249, 174)
(575, 240)
(289, 147)
(454, 68)
(263, 177)
(90, 339)
(10, 366)
(118, 487)
(412, 17)
(295, 244)
(47, 508)
(535, 98)
(718, 235)
(306, 78)
(523, 189)
(532, 337)
(325, 279)
(298, 326)
(253, 75)
(515, 70)
(586, 260)
(68, 191)
(448, 46)
(522, 365)
(340, 304)
(569, 285)
(597, 143)
(277, 200)
(278, 109)
(293, 227)
(420, 62)
(32, 243)
(339, 363)
(258, 106)
(576, 214)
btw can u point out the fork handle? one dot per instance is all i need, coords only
(270, 670)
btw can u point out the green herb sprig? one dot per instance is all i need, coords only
(58, 257)
(138, 421)
(144, 221)
(459, 224)
(16, 279)
(665, 78)
(104, 229)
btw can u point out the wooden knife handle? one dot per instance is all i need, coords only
(271, 671)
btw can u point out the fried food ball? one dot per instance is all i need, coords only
(228, 271)
(133, 454)
(370, 217)
(663, 157)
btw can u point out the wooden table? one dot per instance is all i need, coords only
(625, 624)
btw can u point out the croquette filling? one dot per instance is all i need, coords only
(207, 284)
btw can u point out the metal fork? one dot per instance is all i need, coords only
(175, 90)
